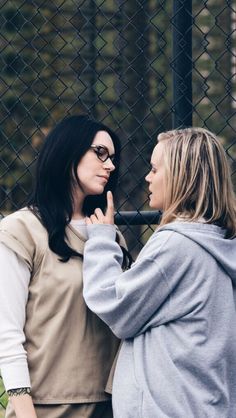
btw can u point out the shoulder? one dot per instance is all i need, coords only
(23, 233)
(167, 243)
(23, 219)
(21, 215)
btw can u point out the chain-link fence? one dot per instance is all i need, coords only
(141, 67)
(3, 399)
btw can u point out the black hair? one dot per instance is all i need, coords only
(56, 171)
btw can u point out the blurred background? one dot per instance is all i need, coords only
(141, 67)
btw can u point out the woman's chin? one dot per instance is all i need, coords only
(151, 204)
(97, 191)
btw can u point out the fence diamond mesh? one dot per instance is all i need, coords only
(140, 67)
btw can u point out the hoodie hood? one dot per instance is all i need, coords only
(211, 238)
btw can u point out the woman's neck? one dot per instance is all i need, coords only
(77, 216)
(78, 202)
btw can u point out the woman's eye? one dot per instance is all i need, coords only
(101, 152)
(153, 170)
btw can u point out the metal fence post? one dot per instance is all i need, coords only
(182, 63)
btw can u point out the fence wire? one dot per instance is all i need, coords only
(120, 62)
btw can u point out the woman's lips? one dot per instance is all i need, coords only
(104, 178)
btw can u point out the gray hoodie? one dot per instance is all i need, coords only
(175, 311)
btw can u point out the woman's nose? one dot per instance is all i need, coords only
(109, 165)
(147, 178)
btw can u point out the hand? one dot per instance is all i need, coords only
(99, 218)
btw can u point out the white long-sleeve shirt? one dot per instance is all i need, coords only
(14, 284)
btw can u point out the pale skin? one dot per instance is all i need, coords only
(23, 406)
(91, 171)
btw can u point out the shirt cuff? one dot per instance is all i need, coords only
(15, 375)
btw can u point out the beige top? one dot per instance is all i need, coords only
(70, 350)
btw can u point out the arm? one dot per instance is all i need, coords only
(124, 300)
(130, 302)
(14, 280)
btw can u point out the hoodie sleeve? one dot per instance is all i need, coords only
(125, 301)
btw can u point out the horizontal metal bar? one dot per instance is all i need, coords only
(137, 217)
(133, 217)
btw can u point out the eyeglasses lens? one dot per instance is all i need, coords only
(103, 154)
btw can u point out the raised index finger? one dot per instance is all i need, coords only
(110, 208)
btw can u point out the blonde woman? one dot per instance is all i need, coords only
(175, 307)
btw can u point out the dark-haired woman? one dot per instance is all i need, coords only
(55, 354)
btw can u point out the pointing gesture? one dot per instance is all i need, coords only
(99, 218)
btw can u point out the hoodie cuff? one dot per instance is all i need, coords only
(103, 230)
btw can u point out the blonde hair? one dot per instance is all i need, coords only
(198, 181)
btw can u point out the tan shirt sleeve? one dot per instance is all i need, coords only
(15, 233)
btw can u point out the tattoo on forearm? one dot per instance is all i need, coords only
(19, 391)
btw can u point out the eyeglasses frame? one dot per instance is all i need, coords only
(111, 157)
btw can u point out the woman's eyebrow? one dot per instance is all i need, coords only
(100, 145)
(104, 146)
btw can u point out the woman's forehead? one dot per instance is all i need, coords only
(103, 138)
(157, 153)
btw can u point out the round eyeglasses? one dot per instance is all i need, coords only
(103, 154)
